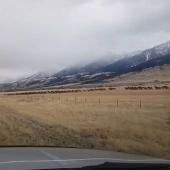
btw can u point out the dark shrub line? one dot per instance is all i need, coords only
(61, 91)
(146, 88)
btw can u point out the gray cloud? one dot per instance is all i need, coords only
(37, 35)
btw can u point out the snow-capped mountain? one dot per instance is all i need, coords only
(96, 71)
(159, 50)
(124, 64)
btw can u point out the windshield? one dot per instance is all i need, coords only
(87, 74)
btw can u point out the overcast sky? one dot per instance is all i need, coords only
(37, 35)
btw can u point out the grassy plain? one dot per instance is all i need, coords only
(119, 120)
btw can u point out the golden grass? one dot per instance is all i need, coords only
(89, 120)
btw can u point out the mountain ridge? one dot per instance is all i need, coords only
(96, 72)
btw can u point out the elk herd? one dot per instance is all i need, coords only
(90, 90)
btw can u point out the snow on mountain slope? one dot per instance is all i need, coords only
(150, 76)
(126, 63)
(159, 50)
(96, 71)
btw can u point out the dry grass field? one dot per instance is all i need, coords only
(118, 120)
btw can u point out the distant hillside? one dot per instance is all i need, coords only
(152, 63)
(124, 65)
(150, 76)
(98, 71)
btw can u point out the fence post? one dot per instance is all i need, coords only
(75, 100)
(59, 99)
(117, 102)
(140, 103)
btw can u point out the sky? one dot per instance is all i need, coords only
(45, 35)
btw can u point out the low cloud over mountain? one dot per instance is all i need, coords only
(51, 35)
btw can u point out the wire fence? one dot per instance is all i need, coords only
(117, 102)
